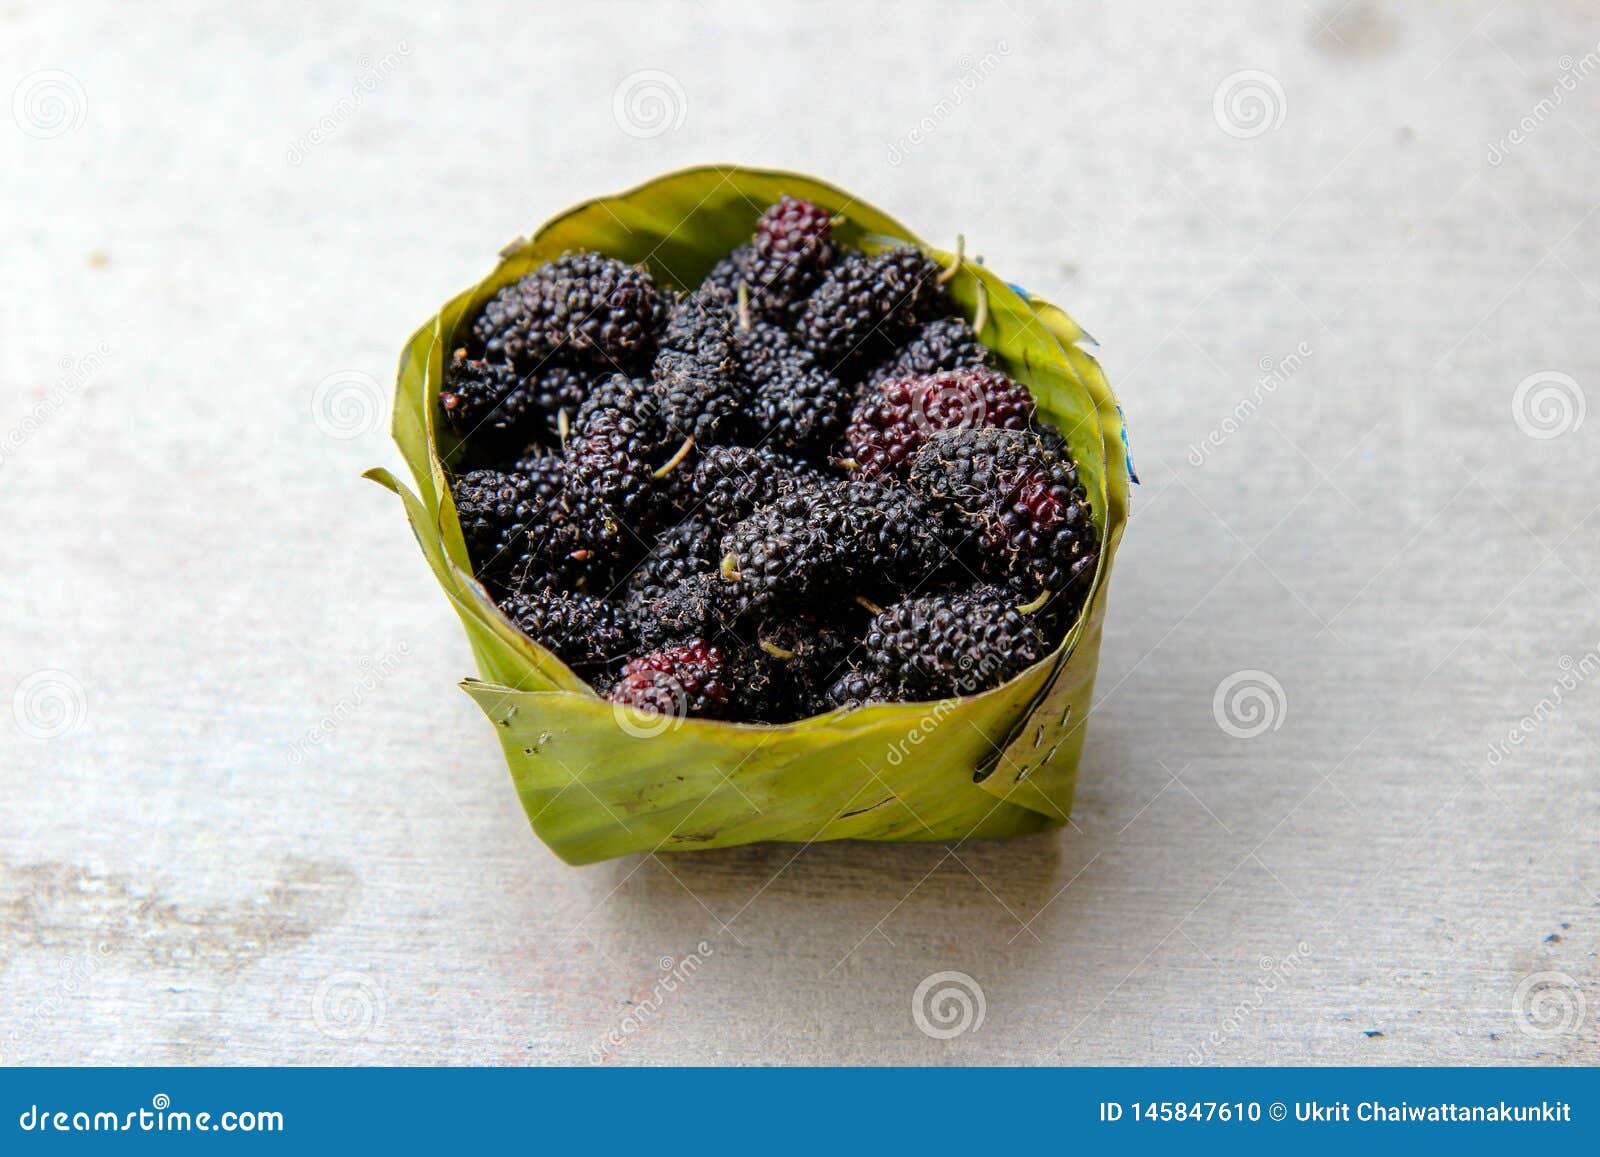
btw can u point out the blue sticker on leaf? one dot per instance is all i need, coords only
(1127, 451)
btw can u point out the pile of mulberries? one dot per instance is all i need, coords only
(798, 486)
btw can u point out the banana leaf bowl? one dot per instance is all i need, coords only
(599, 781)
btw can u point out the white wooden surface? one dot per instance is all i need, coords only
(223, 216)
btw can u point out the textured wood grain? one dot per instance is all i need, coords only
(271, 829)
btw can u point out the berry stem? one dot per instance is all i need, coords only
(744, 306)
(981, 317)
(671, 464)
(955, 266)
(775, 651)
(730, 568)
(1035, 605)
(869, 604)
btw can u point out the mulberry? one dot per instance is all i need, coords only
(584, 632)
(946, 344)
(689, 678)
(698, 388)
(584, 305)
(834, 538)
(483, 399)
(677, 458)
(803, 655)
(934, 646)
(520, 533)
(1024, 497)
(688, 549)
(611, 462)
(727, 483)
(864, 305)
(792, 249)
(491, 404)
(696, 607)
(776, 557)
(886, 537)
(799, 228)
(892, 422)
(795, 405)
(857, 688)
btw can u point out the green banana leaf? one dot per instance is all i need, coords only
(599, 781)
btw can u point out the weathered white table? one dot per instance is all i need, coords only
(1353, 321)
